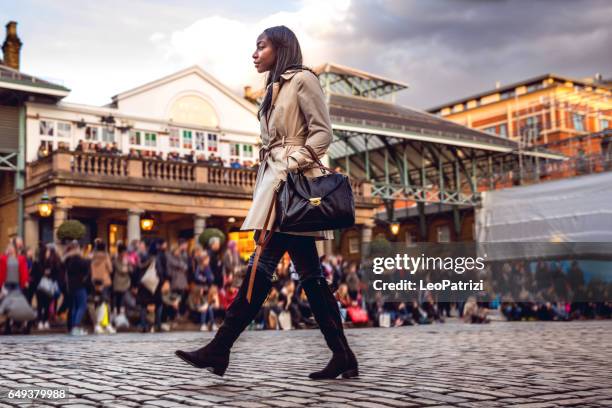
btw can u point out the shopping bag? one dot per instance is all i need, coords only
(150, 280)
(284, 319)
(48, 286)
(357, 314)
(384, 320)
(16, 307)
(102, 315)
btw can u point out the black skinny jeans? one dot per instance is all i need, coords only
(302, 250)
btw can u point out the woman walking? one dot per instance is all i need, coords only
(292, 114)
(51, 269)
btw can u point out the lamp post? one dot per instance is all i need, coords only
(45, 206)
(394, 227)
(147, 222)
(109, 121)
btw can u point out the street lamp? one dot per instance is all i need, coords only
(395, 227)
(45, 206)
(109, 121)
(146, 222)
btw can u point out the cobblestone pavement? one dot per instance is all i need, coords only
(500, 364)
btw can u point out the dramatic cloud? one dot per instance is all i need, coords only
(445, 49)
(449, 49)
(223, 46)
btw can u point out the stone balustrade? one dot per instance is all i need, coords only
(103, 168)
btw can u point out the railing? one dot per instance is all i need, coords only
(357, 187)
(588, 164)
(98, 164)
(103, 168)
(232, 177)
(165, 170)
(531, 173)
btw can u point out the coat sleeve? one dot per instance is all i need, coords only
(312, 104)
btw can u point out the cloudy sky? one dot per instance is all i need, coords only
(444, 49)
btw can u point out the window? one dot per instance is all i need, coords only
(491, 130)
(503, 130)
(187, 139)
(247, 150)
(534, 87)
(578, 120)
(604, 124)
(531, 129)
(200, 140)
(46, 128)
(235, 149)
(174, 139)
(212, 142)
(443, 233)
(135, 138)
(108, 135)
(150, 139)
(353, 245)
(63, 129)
(91, 133)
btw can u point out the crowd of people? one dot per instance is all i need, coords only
(143, 284)
(149, 286)
(213, 160)
(542, 290)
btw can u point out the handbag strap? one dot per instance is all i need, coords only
(262, 241)
(316, 159)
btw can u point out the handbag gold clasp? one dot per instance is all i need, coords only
(315, 201)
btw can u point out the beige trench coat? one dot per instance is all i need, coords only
(299, 116)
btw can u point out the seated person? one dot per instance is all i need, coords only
(199, 310)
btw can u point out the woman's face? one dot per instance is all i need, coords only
(264, 56)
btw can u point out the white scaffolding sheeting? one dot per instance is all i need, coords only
(573, 210)
(577, 209)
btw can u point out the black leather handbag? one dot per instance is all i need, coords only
(315, 204)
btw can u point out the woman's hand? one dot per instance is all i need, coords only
(292, 164)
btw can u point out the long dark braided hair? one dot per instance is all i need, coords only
(288, 57)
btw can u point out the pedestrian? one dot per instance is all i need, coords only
(232, 264)
(294, 107)
(48, 286)
(101, 270)
(149, 296)
(178, 274)
(122, 270)
(13, 279)
(215, 260)
(78, 280)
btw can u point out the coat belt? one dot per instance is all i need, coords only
(264, 151)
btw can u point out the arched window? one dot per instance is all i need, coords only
(194, 110)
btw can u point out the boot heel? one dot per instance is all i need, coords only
(217, 370)
(354, 372)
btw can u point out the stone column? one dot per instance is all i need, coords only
(199, 224)
(328, 245)
(133, 224)
(60, 214)
(320, 248)
(31, 231)
(366, 238)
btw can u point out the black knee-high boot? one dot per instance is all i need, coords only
(327, 314)
(215, 355)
